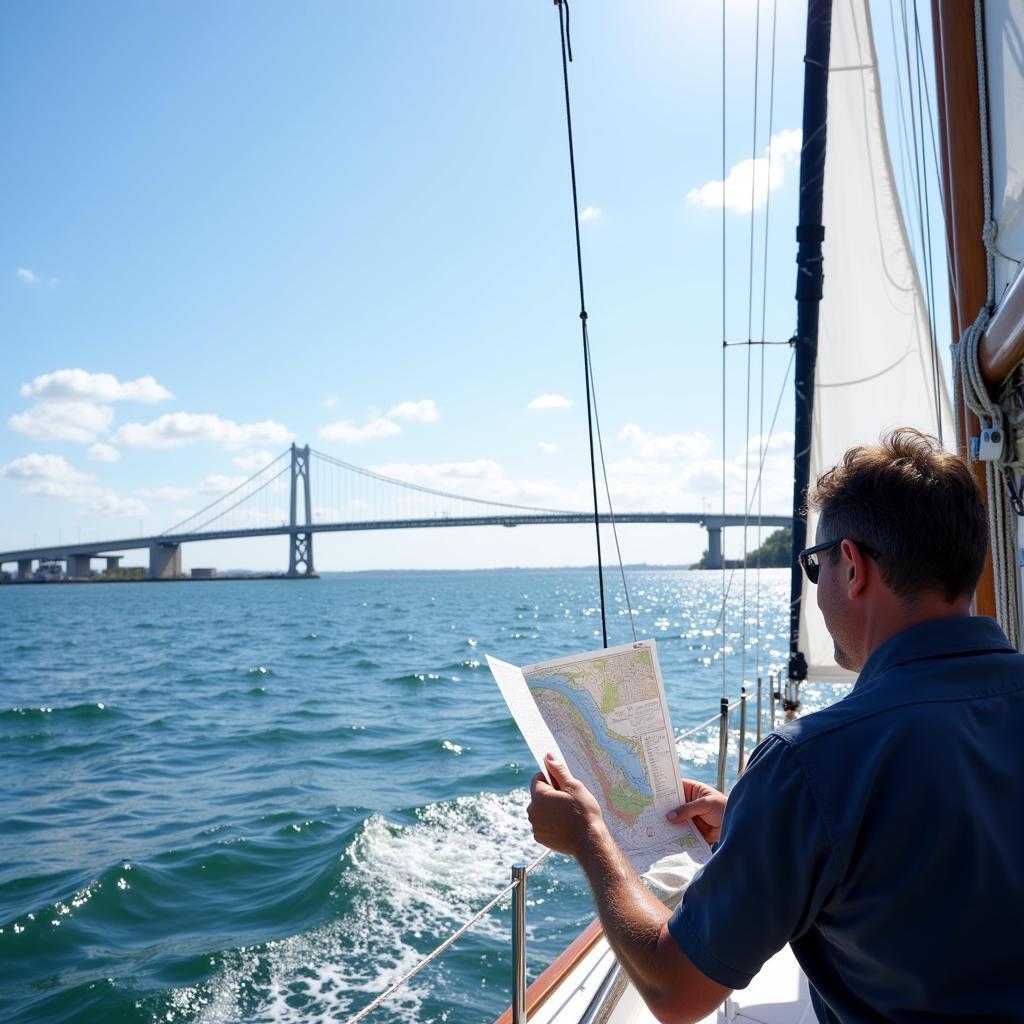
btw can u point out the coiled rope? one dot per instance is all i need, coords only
(1002, 520)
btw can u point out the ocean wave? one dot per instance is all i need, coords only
(400, 886)
(419, 678)
(84, 712)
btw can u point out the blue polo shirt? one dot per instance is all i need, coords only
(883, 838)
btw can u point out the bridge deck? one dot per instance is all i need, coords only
(100, 548)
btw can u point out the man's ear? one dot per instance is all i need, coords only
(856, 563)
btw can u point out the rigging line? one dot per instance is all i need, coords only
(611, 511)
(914, 119)
(760, 471)
(902, 118)
(764, 313)
(734, 344)
(947, 243)
(750, 332)
(725, 686)
(930, 262)
(566, 56)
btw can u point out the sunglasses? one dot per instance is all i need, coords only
(811, 563)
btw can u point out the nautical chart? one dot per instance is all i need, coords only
(604, 713)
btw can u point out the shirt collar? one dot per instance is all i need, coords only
(969, 634)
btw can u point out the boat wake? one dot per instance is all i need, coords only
(400, 887)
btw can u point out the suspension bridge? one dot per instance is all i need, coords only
(277, 500)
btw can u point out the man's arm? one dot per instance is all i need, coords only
(567, 818)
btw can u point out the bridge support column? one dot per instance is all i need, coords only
(300, 555)
(164, 561)
(25, 569)
(715, 547)
(79, 567)
(300, 541)
(113, 563)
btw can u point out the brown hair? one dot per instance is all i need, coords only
(915, 503)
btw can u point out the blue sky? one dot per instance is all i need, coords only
(350, 225)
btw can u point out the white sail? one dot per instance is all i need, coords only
(1004, 59)
(874, 369)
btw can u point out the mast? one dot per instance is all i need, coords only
(956, 74)
(809, 281)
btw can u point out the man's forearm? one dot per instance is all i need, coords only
(631, 915)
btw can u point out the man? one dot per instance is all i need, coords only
(882, 837)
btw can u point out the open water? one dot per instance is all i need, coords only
(263, 801)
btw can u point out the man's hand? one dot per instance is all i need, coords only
(563, 814)
(704, 806)
(566, 817)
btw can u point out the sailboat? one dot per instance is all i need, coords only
(867, 361)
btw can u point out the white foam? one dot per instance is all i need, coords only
(408, 888)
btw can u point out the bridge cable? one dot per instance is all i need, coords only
(231, 508)
(563, 27)
(226, 494)
(371, 475)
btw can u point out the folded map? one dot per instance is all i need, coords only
(605, 715)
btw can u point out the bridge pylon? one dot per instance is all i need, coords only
(300, 541)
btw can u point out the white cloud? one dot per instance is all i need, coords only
(103, 453)
(424, 411)
(108, 503)
(63, 421)
(483, 479)
(81, 386)
(52, 476)
(665, 446)
(752, 179)
(330, 401)
(253, 460)
(702, 479)
(590, 213)
(437, 473)
(211, 486)
(542, 402)
(547, 447)
(31, 278)
(347, 432)
(43, 467)
(175, 429)
(637, 468)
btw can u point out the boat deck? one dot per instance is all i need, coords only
(778, 995)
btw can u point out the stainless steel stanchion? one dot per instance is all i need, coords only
(759, 712)
(519, 945)
(723, 742)
(773, 696)
(741, 758)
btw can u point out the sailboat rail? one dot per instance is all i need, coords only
(454, 937)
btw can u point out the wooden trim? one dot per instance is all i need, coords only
(1002, 346)
(553, 975)
(957, 70)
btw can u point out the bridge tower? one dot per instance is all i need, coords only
(300, 554)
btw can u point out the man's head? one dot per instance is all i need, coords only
(915, 534)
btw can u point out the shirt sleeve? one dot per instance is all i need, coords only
(768, 878)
